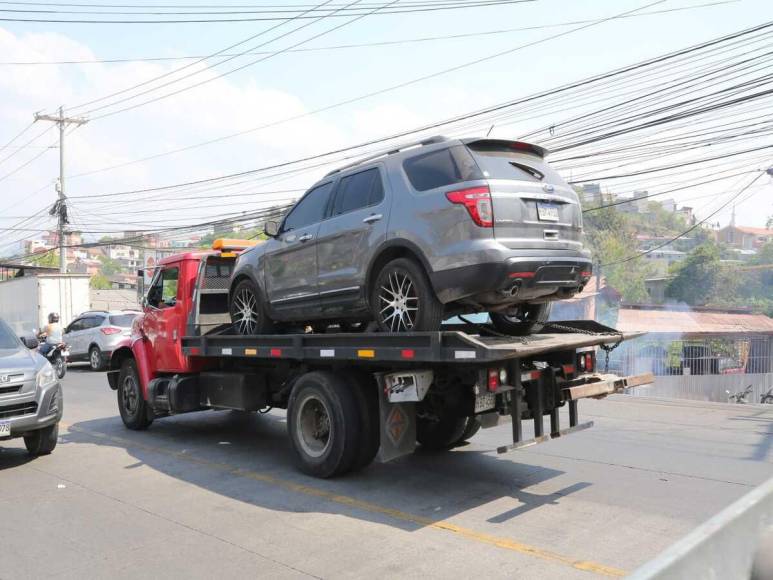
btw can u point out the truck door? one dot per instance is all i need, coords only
(291, 257)
(348, 238)
(163, 316)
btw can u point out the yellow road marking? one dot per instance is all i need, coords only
(505, 543)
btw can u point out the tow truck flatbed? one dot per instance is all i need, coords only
(456, 345)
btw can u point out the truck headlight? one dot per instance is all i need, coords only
(46, 376)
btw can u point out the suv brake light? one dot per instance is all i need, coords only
(477, 200)
(110, 330)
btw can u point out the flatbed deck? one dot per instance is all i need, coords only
(455, 345)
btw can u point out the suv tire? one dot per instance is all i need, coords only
(529, 319)
(403, 300)
(248, 313)
(42, 441)
(135, 413)
(95, 359)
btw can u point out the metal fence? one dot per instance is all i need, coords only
(729, 368)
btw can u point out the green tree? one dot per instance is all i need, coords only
(696, 276)
(46, 259)
(100, 282)
(109, 266)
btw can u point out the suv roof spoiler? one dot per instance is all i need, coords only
(403, 147)
(516, 145)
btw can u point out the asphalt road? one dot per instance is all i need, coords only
(216, 494)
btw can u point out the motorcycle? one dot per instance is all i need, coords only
(56, 354)
(767, 398)
(739, 397)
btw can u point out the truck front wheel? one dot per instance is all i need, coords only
(324, 423)
(135, 413)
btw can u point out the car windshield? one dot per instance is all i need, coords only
(123, 320)
(7, 337)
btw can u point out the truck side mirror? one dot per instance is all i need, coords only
(271, 228)
(30, 342)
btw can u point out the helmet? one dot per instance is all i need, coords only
(53, 317)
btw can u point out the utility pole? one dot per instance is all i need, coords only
(59, 208)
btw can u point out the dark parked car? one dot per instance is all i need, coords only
(413, 236)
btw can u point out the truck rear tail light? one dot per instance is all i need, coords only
(589, 362)
(477, 200)
(493, 379)
(585, 362)
(110, 330)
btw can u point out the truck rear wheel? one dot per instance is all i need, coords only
(365, 389)
(135, 413)
(323, 416)
(441, 433)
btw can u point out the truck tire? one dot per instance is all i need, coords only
(42, 441)
(135, 412)
(403, 300)
(529, 319)
(95, 359)
(471, 427)
(365, 389)
(441, 434)
(323, 417)
(248, 313)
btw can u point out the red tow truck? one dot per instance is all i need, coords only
(350, 397)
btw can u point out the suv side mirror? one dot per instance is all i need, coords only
(271, 228)
(30, 342)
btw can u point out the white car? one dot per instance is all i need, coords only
(94, 335)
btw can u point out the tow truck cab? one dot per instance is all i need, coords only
(349, 396)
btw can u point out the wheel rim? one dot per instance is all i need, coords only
(129, 394)
(245, 311)
(313, 426)
(398, 302)
(59, 366)
(94, 359)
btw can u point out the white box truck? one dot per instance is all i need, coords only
(26, 301)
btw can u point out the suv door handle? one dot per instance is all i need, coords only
(305, 238)
(373, 218)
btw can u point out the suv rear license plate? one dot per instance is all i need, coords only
(5, 429)
(547, 212)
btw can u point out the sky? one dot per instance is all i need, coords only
(295, 85)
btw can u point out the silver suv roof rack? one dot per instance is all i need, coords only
(403, 147)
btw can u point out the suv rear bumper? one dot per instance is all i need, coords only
(514, 279)
(43, 416)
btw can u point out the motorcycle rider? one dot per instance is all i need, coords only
(53, 333)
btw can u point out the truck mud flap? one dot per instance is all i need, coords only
(397, 426)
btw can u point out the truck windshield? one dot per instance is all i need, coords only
(7, 337)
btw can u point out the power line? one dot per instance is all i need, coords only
(363, 44)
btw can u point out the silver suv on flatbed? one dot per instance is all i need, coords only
(410, 237)
(30, 394)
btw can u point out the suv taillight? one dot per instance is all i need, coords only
(110, 330)
(477, 200)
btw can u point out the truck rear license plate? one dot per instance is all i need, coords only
(485, 402)
(547, 212)
(5, 429)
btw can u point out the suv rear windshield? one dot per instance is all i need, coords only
(498, 161)
(124, 320)
(442, 167)
(7, 337)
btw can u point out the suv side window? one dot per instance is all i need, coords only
(75, 325)
(92, 322)
(443, 167)
(310, 210)
(359, 190)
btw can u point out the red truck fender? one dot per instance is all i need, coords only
(142, 358)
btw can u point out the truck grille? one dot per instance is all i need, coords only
(13, 389)
(18, 410)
